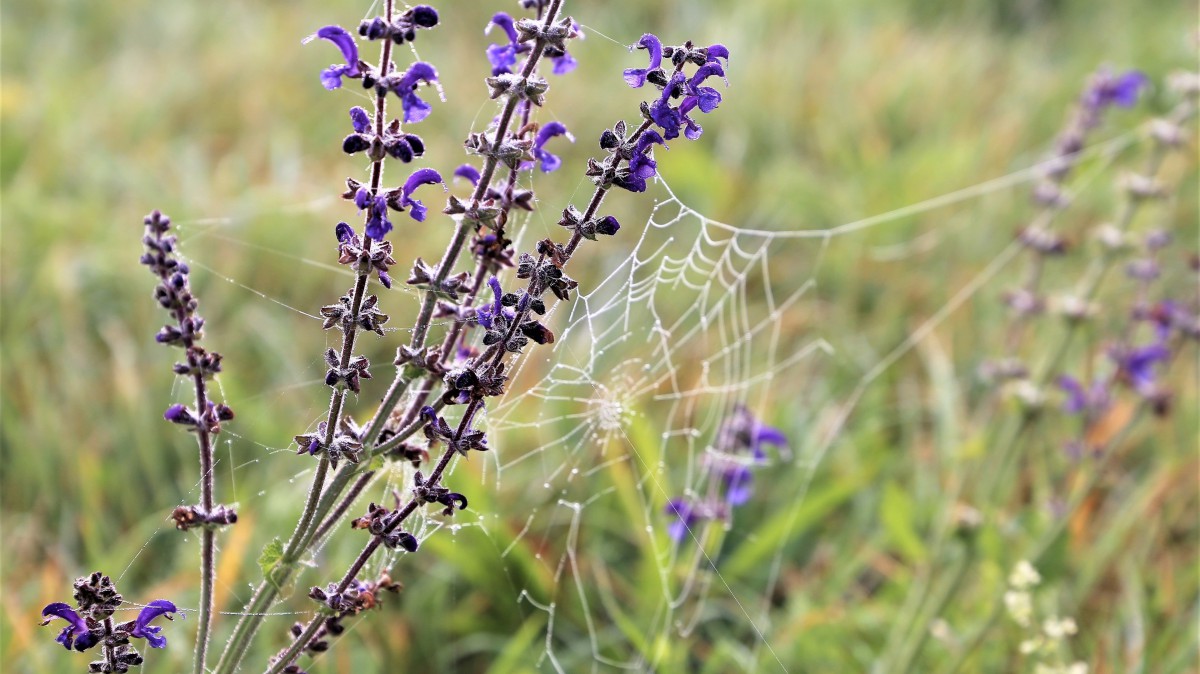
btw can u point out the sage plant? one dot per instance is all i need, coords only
(492, 309)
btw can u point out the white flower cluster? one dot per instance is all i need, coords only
(1045, 643)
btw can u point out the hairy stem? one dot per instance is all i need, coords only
(265, 594)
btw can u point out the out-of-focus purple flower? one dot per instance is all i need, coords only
(685, 517)
(1137, 366)
(405, 86)
(549, 162)
(503, 57)
(467, 172)
(1120, 90)
(142, 628)
(636, 77)
(1082, 399)
(76, 634)
(739, 483)
(425, 176)
(331, 77)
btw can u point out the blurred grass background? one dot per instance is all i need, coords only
(838, 110)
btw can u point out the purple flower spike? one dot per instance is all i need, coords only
(415, 109)
(76, 635)
(468, 173)
(636, 77)
(331, 77)
(503, 57)
(550, 162)
(360, 119)
(142, 628)
(425, 176)
(685, 517)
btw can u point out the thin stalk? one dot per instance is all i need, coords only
(920, 634)
(302, 641)
(1047, 539)
(265, 594)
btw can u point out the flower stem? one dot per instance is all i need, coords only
(266, 592)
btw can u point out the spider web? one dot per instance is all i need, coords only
(693, 319)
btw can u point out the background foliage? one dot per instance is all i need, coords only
(838, 110)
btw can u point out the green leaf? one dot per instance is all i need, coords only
(268, 563)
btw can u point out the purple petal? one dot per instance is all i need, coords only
(360, 119)
(739, 482)
(1127, 87)
(503, 58)
(332, 77)
(344, 232)
(764, 434)
(505, 22)
(1076, 398)
(142, 628)
(468, 173)
(564, 64)
(76, 634)
(718, 51)
(425, 176)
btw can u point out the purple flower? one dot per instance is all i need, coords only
(1080, 399)
(468, 173)
(636, 77)
(642, 166)
(331, 77)
(378, 224)
(707, 97)
(76, 634)
(550, 162)
(142, 628)
(1137, 366)
(425, 176)
(503, 57)
(739, 482)
(564, 62)
(762, 434)
(345, 233)
(405, 86)
(360, 119)
(1121, 90)
(685, 518)
(487, 313)
(717, 52)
